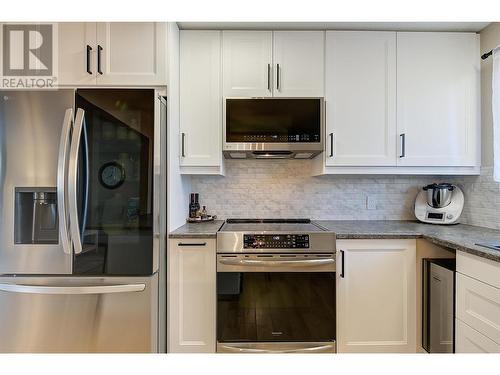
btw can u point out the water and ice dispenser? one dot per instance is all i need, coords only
(35, 216)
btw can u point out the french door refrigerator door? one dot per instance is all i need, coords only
(115, 193)
(34, 143)
(78, 314)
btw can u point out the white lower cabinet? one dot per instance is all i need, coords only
(191, 295)
(477, 304)
(468, 340)
(376, 296)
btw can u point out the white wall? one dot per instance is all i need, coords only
(483, 193)
(490, 38)
(179, 186)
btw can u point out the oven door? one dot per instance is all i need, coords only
(275, 303)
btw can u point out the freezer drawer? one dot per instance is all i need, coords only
(78, 314)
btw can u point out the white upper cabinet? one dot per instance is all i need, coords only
(299, 63)
(247, 63)
(200, 101)
(438, 99)
(77, 64)
(113, 54)
(376, 296)
(360, 98)
(131, 53)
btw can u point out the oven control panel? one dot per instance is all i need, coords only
(276, 241)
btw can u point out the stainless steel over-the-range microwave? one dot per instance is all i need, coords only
(273, 128)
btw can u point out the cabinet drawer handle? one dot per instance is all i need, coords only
(192, 244)
(89, 50)
(403, 145)
(342, 263)
(99, 49)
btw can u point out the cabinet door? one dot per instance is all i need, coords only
(468, 340)
(192, 295)
(200, 98)
(361, 98)
(299, 63)
(247, 63)
(376, 296)
(77, 53)
(131, 53)
(438, 97)
(478, 305)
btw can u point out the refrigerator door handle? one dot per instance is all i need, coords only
(61, 181)
(86, 289)
(73, 180)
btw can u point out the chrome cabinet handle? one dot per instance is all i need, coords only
(278, 77)
(403, 145)
(61, 181)
(269, 77)
(342, 264)
(74, 225)
(276, 263)
(331, 145)
(89, 50)
(192, 244)
(99, 50)
(87, 289)
(183, 148)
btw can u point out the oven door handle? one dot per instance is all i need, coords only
(276, 263)
(241, 349)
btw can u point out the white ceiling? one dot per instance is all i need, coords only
(394, 26)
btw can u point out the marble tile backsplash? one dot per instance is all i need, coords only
(256, 188)
(482, 200)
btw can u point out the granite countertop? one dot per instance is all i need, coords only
(197, 230)
(459, 237)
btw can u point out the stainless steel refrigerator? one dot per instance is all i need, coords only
(79, 220)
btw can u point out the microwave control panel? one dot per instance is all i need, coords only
(276, 241)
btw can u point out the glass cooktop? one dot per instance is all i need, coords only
(270, 225)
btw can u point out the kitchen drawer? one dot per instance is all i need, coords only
(468, 340)
(486, 270)
(478, 305)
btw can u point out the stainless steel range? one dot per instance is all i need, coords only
(275, 286)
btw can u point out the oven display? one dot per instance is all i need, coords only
(276, 241)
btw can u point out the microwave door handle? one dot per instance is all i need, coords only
(62, 170)
(72, 181)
